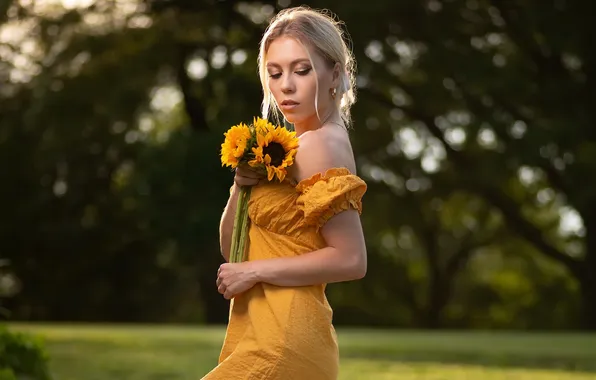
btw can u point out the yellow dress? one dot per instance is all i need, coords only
(286, 332)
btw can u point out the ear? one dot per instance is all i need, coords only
(336, 73)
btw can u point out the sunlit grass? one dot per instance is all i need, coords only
(135, 352)
(387, 370)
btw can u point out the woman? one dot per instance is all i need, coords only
(305, 232)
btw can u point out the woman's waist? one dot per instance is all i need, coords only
(295, 294)
(285, 302)
(285, 314)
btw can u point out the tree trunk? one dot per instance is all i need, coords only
(437, 301)
(588, 297)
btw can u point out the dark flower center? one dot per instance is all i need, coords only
(276, 152)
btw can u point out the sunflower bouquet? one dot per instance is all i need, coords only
(267, 149)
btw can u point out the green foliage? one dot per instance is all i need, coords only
(122, 195)
(7, 374)
(467, 96)
(22, 356)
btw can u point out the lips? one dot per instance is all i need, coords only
(289, 104)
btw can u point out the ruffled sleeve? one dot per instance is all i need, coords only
(324, 195)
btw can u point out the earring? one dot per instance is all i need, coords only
(333, 92)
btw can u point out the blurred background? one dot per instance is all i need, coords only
(474, 129)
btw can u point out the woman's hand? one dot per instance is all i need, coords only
(247, 176)
(235, 278)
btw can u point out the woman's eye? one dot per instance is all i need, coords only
(303, 72)
(275, 76)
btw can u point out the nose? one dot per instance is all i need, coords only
(287, 85)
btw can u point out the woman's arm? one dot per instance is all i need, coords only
(244, 177)
(344, 258)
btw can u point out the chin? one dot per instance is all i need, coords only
(290, 118)
(293, 117)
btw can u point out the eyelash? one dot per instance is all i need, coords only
(299, 72)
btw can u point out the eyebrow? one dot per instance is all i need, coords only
(299, 60)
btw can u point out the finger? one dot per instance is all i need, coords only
(245, 174)
(248, 171)
(221, 289)
(228, 290)
(235, 288)
(245, 181)
(220, 277)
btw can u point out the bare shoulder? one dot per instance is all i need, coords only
(323, 149)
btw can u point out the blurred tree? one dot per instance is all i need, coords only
(111, 115)
(84, 89)
(500, 95)
(434, 233)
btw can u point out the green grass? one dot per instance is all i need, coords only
(140, 352)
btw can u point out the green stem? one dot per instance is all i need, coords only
(236, 228)
(239, 234)
(244, 230)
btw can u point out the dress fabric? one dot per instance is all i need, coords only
(279, 332)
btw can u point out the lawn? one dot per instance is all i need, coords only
(138, 352)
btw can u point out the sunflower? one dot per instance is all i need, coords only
(268, 149)
(235, 144)
(275, 150)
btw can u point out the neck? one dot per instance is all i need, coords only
(314, 123)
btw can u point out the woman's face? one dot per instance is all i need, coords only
(293, 82)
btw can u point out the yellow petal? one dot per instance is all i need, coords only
(235, 144)
(288, 161)
(281, 174)
(258, 152)
(270, 173)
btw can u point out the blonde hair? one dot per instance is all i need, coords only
(320, 31)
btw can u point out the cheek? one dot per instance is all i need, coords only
(323, 94)
(324, 84)
(274, 90)
(309, 89)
